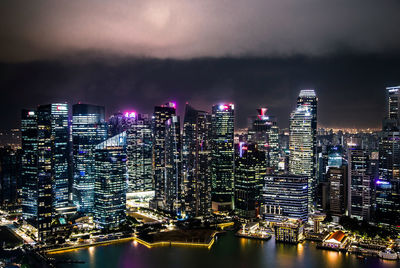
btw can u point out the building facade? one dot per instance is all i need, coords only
(223, 158)
(196, 162)
(284, 196)
(88, 130)
(110, 179)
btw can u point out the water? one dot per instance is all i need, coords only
(228, 251)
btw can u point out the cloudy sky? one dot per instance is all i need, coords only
(135, 54)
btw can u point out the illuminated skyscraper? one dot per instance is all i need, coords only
(359, 186)
(53, 120)
(265, 132)
(110, 182)
(302, 140)
(29, 163)
(222, 164)
(88, 130)
(388, 184)
(140, 153)
(161, 115)
(393, 103)
(44, 164)
(338, 193)
(173, 164)
(285, 197)
(250, 169)
(196, 155)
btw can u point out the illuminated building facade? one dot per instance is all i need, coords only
(196, 162)
(222, 164)
(110, 182)
(250, 169)
(161, 115)
(265, 132)
(337, 179)
(55, 128)
(173, 164)
(359, 197)
(139, 153)
(302, 140)
(88, 129)
(284, 196)
(388, 185)
(29, 163)
(289, 231)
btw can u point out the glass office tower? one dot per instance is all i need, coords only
(110, 178)
(196, 161)
(223, 157)
(265, 132)
(88, 130)
(161, 115)
(173, 163)
(29, 163)
(250, 169)
(139, 154)
(302, 141)
(285, 196)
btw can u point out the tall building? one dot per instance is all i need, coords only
(196, 162)
(139, 153)
(88, 130)
(393, 103)
(284, 196)
(337, 179)
(250, 169)
(45, 174)
(110, 182)
(359, 186)
(161, 115)
(29, 163)
(388, 185)
(223, 155)
(265, 132)
(55, 128)
(302, 140)
(173, 166)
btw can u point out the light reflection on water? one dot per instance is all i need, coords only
(228, 251)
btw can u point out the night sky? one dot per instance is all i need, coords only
(136, 54)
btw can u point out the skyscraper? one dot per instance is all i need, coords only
(45, 175)
(250, 169)
(139, 153)
(265, 132)
(359, 186)
(196, 160)
(337, 179)
(388, 184)
(285, 197)
(161, 115)
(173, 164)
(302, 140)
(393, 103)
(29, 163)
(88, 130)
(110, 182)
(222, 164)
(54, 118)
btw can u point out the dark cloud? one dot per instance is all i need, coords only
(184, 29)
(351, 88)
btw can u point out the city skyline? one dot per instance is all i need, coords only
(225, 128)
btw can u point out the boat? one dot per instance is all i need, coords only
(388, 254)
